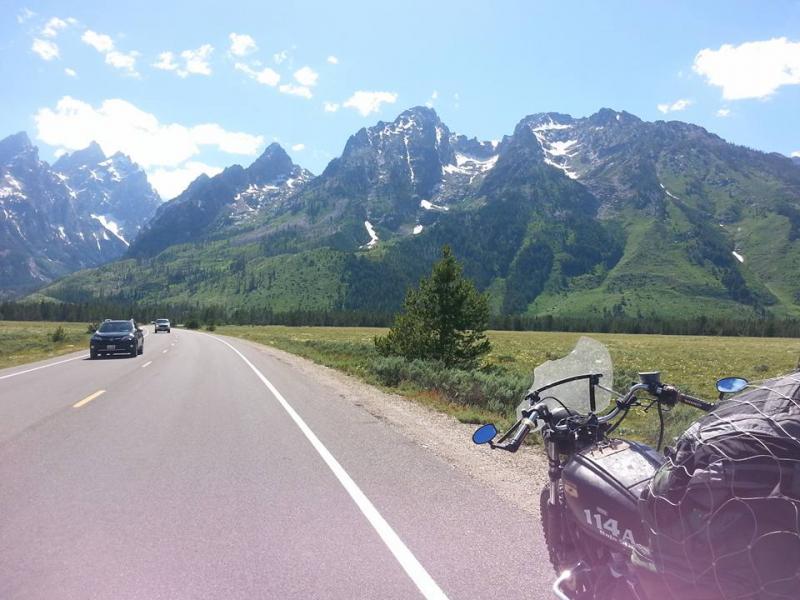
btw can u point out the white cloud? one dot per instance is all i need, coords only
(118, 125)
(166, 62)
(196, 61)
(70, 72)
(752, 69)
(330, 106)
(53, 26)
(120, 60)
(432, 99)
(171, 182)
(242, 44)
(724, 112)
(46, 49)
(306, 76)
(232, 142)
(299, 147)
(676, 106)
(105, 45)
(24, 15)
(99, 41)
(281, 56)
(796, 154)
(369, 102)
(333, 60)
(295, 90)
(266, 76)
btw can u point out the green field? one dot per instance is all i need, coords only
(27, 341)
(690, 362)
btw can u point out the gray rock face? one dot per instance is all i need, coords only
(55, 221)
(229, 202)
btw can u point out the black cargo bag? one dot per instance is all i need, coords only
(723, 512)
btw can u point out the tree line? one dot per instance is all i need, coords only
(95, 311)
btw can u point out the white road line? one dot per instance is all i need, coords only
(165, 351)
(61, 362)
(149, 362)
(407, 560)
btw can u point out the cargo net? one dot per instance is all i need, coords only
(723, 513)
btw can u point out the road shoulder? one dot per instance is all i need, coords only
(517, 478)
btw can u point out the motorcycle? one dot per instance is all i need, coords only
(592, 528)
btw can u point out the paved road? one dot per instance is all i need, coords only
(207, 469)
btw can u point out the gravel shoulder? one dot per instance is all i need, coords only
(518, 477)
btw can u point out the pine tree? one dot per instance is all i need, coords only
(445, 319)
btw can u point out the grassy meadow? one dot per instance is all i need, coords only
(692, 363)
(27, 341)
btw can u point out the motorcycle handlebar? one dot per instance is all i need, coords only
(525, 427)
(696, 402)
(623, 403)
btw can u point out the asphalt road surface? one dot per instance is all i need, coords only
(206, 469)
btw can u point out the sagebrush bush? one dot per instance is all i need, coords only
(59, 335)
(496, 390)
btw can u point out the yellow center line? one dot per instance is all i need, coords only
(88, 398)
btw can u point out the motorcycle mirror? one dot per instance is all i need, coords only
(484, 434)
(731, 385)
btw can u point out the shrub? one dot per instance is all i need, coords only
(59, 335)
(192, 324)
(211, 327)
(497, 390)
(91, 327)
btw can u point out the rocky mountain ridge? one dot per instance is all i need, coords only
(606, 214)
(80, 212)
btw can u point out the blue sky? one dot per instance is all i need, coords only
(185, 87)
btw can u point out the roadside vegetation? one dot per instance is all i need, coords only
(492, 392)
(27, 341)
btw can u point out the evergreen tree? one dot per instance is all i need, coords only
(445, 319)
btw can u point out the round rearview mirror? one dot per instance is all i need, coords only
(731, 385)
(484, 434)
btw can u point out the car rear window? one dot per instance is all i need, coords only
(115, 327)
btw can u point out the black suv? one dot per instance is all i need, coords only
(115, 337)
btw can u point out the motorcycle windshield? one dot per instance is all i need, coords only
(588, 357)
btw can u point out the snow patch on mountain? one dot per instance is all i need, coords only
(549, 125)
(428, 205)
(109, 166)
(417, 229)
(372, 235)
(110, 225)
(738, 256)
(558, 149)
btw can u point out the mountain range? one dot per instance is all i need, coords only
(606, 214)
(80, 212)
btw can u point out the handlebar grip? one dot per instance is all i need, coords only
(696, 402)
(520, 435)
